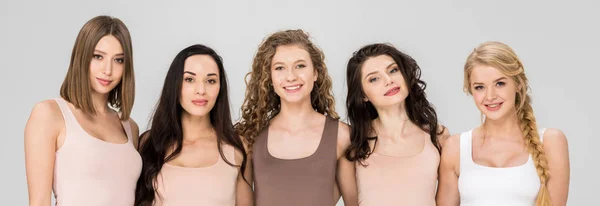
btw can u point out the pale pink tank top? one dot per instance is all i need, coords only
(399, 180)
(214, 185)
(89, 171)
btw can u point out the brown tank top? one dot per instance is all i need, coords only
(304, 181)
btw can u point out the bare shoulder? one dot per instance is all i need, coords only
(554, 140)
(343, 134)
(47, 110)
(450, 157)
(451, 145)
(42, 113)
(443, 134)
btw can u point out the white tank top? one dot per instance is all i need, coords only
(489, 186)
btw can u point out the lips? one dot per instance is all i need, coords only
(293, 88)
(494, 106)
(199, 102)
(392, 91)
(104, 82)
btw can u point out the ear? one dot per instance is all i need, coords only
(316, 76)
(365, 99)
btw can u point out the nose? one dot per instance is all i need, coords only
(388, 81)
(107, 68)
(200, 89)
(291, 75)
(490, 94)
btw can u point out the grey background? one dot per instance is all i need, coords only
(557, 41)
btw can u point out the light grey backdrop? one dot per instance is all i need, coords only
(557, 41)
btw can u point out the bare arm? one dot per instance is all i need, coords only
(557, 153)
(244, 195)
(447, 193)
(345, 177)
(41, 132)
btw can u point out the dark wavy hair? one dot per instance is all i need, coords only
(166, 131)
(361, 113)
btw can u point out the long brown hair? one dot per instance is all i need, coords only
(261, 103)
(76, 87)
(503, 58)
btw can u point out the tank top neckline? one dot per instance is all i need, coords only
(218, 162)
(327, 122)
(470, 157)
(76, 123)
(403, 156)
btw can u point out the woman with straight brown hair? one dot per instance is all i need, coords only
(507, 160)
(81, 146)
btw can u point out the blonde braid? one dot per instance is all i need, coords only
(535, 147)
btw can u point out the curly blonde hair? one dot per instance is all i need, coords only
(503, 58)
(261, 103)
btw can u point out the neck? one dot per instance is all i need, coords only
(296, 115)
(506, 127)
(196, 127)
(392, 122)
(100, 102)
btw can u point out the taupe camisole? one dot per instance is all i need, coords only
(304, 181)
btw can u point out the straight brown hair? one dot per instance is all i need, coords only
(76, 87)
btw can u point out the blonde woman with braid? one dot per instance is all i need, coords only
(507, 160)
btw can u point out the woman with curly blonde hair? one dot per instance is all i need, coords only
(290, 124)
(507, 160)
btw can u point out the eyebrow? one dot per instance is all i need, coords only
(208, 75)
(497, 80)
(392, 64)
(295, 62)
(101, 52)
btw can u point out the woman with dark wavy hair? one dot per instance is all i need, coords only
(191, 154)
(395, 132)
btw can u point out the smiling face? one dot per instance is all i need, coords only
(292, 74)
(494, 93)
(106, 66)
(200, 87)
(382, 82)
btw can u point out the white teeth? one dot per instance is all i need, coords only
(493, 105)
(292, 88)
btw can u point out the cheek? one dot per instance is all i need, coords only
(478, 97)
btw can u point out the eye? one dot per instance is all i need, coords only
(278, 68)
(394, 70)
(120, 60)
(478, 87)
(300, 66)
(189, 79)
(211, 81)
(97, 56)
(500, 84)
(374, 79)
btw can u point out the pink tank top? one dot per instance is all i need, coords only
(397, 180)
(89, 171)
(214, 185)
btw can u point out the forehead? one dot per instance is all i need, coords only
(109, 44)
(486, 74)
(290, 54)
(201, 64)
(377, 63)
